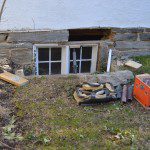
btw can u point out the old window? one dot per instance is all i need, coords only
(80, 60)
(49, 61)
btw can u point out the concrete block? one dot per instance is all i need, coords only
(21, 56)
(132, 45)
(39, 37)
(3, 37)
(145, 37)
(125, 37)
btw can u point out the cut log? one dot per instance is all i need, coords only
(13, 79)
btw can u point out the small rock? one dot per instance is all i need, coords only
(124, 57)
(7, 68)
(4, 61)
(119, 63)
(20, 72)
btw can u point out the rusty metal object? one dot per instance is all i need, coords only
(124, 94)
(119, 91)
(130, 92)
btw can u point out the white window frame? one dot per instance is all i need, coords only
(93, 58)
(81, 60)
(65, 55)
(37, 62)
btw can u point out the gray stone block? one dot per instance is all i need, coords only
(4, 53)
(125, 37)
(131, 53)
(145, 37)
(12, 46)
(128, 30)
(147, 29)
(116, 78)
(21, 56)
(3, 37)
(132, 45)
(39, 36)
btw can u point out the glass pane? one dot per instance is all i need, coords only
(43, 68)
(56, 68)
(86, 52)
(43, 54)
(71, 67)
(55, 54)
(85, 66)
(77, 53)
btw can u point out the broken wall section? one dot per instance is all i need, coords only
(125, 43)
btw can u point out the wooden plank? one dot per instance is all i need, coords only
(133, 64)
(13, 79)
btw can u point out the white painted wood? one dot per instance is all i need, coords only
(46, 45)
(94, 58)
(65, 60)
(109, 61)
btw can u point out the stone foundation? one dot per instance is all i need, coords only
(18, 46)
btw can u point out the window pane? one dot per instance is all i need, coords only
(43, 54)
(43, 68)
(55, 54)
(85, 66)
(86, 52)
(56, 68)
(71, 67)
(77, 53)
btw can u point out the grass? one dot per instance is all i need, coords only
(49, 118)
(145, 61)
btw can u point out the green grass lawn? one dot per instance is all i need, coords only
(49, 118)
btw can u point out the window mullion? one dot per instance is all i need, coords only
(80, 59)
(49, 61)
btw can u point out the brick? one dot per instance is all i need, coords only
(132, 45)
(125, 37)
(39, 36)
(145, 37)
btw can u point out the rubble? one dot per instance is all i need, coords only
(5, 65)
